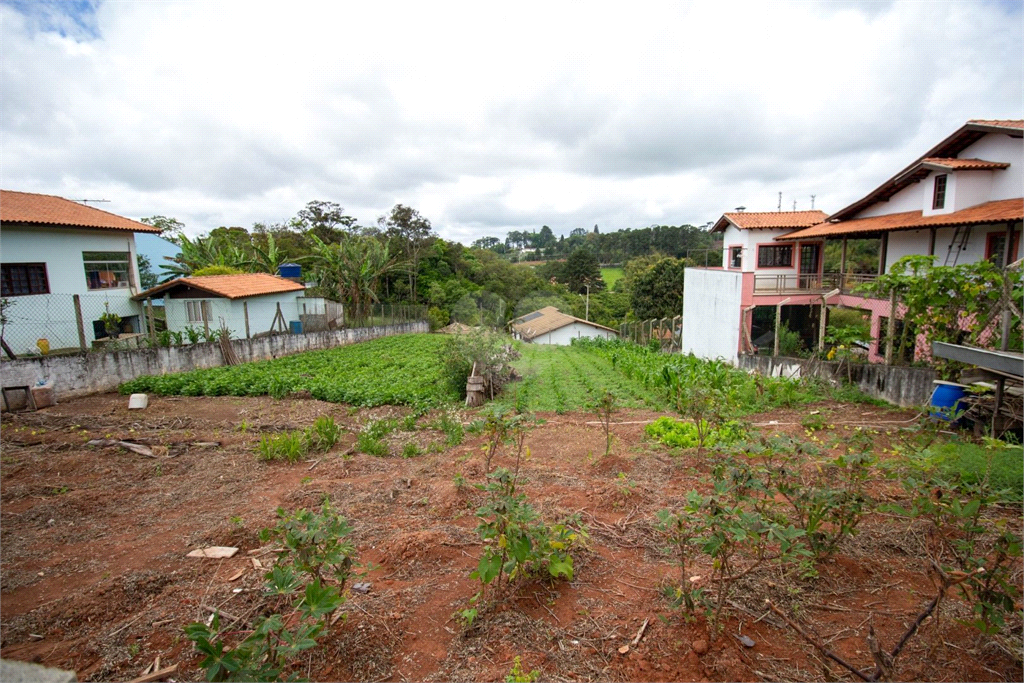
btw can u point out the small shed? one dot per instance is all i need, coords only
(550, 326)
(247, 303)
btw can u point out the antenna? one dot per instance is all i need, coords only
(794, 205)
(741, 208)
(812, 201)
(95, 201)
(780, 202)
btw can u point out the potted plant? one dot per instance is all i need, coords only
(111, 324)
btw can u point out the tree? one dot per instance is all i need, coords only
(413, 231)
(487, 243)
(657, 291)
(171, 229)
(147, 278)
(327, 220)
(582, 269)
(545, 238)
(351, 269)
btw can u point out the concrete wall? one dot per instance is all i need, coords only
(712, 303)
(903, 386)
(91, 373)
(563, 336)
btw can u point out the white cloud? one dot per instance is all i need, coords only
(489, 118)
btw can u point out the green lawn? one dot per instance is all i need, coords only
(611, 276)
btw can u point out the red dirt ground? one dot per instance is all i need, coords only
(95, 576)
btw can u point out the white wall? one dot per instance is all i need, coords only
(563, 336)
(906, 242)
(52, 316)
(749, 239)
(262, 310)
(712, 303)
(1008, 183)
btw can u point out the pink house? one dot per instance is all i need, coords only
(961, 202)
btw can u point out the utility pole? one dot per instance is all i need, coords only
(586, 316)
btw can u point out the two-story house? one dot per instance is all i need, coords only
(64, 267)
(961, 201)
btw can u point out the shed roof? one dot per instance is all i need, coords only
(990, 212)
(548, 319)
(238, 286)
(47, 209)
(963, 164)
(769, 219)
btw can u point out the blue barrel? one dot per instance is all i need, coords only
(945, 399)
(289, 270)
(296, 326)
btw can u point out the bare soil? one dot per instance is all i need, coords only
(95, 576)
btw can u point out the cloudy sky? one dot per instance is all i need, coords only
(489, 117)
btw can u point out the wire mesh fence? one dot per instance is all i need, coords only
(666, 332)
(76, 323)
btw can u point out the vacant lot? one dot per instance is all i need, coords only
(95, 574)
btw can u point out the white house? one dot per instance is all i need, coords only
(551, 326)
(960, 202)
(64, 265)
(247, 304)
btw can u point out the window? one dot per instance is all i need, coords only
(735, 257)
(995, 247)
(106, 269)
(939, 198)
(24, 278)
(194, 310)
(775, 256)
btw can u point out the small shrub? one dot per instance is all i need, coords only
(367, 443)
(410, 450)
(790, 343)
(452, 428)
(287, 446)
(518, 675)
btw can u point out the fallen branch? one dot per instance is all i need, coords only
(156, 675)
(817, 644)
(640, 633)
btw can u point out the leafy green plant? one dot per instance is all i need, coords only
(323, 434)
(410, 450)
(677, 529)
(111, 323)
(679, 434)
(451, 425)
(315, 549)
(518, 675)
(605, 408)
(518, 544)
(287, 446)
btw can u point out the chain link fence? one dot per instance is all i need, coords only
(53, 324)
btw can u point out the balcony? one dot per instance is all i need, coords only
(792, 283)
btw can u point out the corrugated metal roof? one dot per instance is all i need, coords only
(46, 209)
(548, 319)
(229, 286)
(989, 212)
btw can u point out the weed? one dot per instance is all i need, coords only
(517, 675)
(133, 650)
(467, 616)
(459, 480)
(367, 443)
(409, 422)
(410, 450)
(451, 425)
(287, 446)
(624, 484)
(323, 434)
(237, 521)
(814, 422)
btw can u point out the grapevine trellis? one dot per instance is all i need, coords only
(667, 331)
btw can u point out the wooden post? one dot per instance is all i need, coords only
(1004, 344)
(81, 324)
(279, 316)
(883, 253)
(245, 313)
(890, 329)
(821, 325)
(778, 326)
(842, 262)
(206, 318)
(931, 241)
(152, 322)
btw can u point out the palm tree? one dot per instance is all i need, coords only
(200, 253)
(352, 268)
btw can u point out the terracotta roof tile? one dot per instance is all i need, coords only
(769, 219)
(965, 164)
(1017, 124)
(229, 286)
(989, 212)
(46, 209)
(547, 319)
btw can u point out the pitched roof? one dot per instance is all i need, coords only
(548, 319)
(769, 219)
(237, 286)
(958, 141)
(989, 212)
(47, 209)
(963, 164)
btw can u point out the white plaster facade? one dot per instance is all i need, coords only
(563, 336)
(261, 310)
(52, 316)
(712, 301)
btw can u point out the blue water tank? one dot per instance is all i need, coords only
(296, 326)
(945, 399)
(289, 270)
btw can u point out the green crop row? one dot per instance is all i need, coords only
(400, 370)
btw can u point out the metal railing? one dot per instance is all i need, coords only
(792, 283)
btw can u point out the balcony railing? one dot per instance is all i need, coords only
(792, 283)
